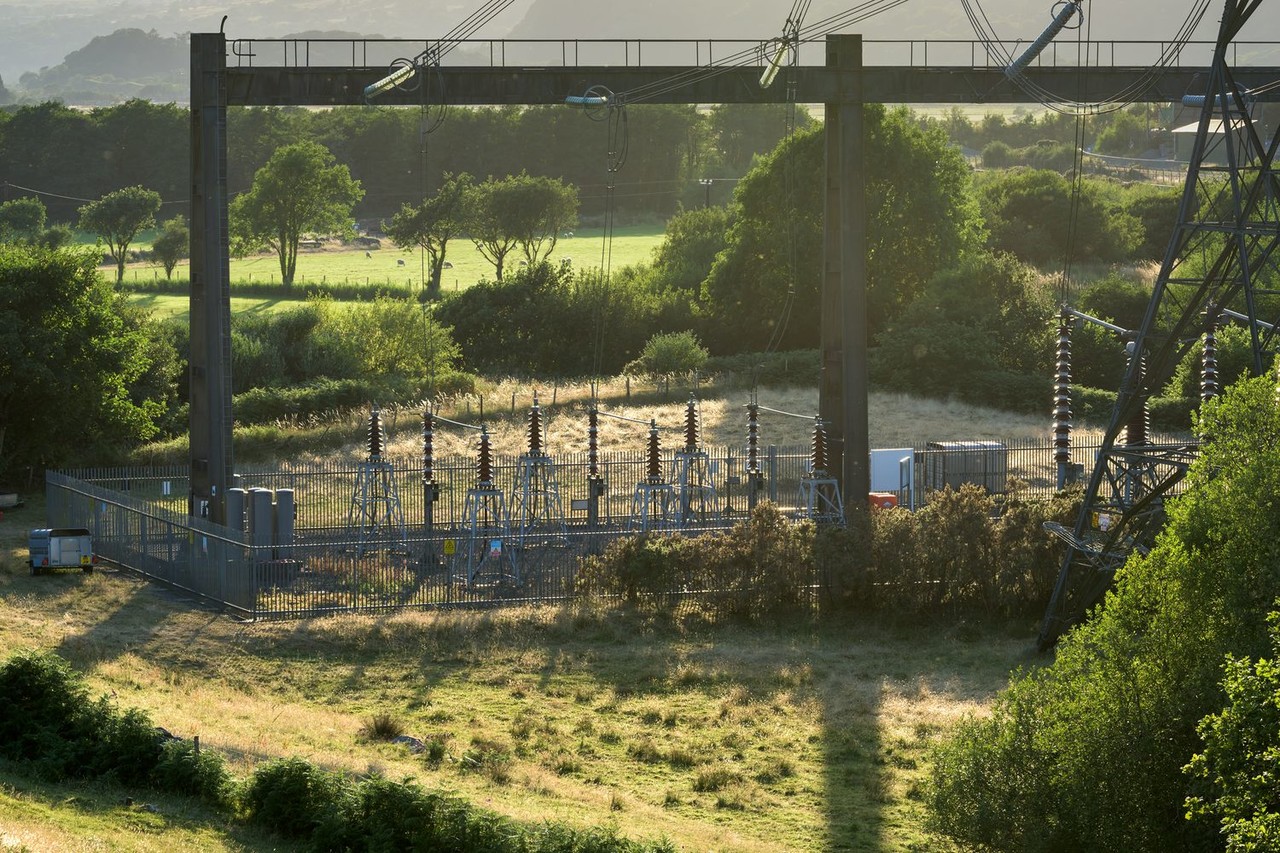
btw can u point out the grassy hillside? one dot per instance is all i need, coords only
(381, 269)
(801, 737)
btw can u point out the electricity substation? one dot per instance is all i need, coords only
(387, 533)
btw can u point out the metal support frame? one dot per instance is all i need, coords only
(820, 499)
(486, 554)
(535, 500)
(375, 506)
(210, 301)
(695, 494)
(1222, 256)
(651, 507)
(843, 85)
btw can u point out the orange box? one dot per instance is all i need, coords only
(883, 500)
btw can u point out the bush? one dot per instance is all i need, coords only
(1128, 687)
(299, 800)
(962, 555)
(51, 723)
(184, 770)
(759, 570)
(1233, 777)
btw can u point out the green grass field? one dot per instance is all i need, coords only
(630, 245)
(792, 738)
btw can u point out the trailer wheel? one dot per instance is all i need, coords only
(88, 570)
(34, 570)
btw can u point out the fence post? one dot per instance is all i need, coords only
(771, 459)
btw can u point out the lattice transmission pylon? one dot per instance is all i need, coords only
(695, 493)
(1221, 258)
(484, 553)
(536, 507)
(375, 516)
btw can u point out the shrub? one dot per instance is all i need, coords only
(382, 726)
(668, 355)
(1233, 777)
(184, 770)
(298, 800)
(51, 722)
(1128, 687)
(639, 569)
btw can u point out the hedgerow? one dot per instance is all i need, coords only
(50, 725)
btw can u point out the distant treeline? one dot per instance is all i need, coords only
(69, 154)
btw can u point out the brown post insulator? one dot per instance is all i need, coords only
(1062, 396)
(375, 433)
(654, 455)
(535, 428)
(1138, 428)
(753, 437)
(691, 426)
(819, 454)
(593, 442)
(484, 460)
(1210, 385)
(428, 446)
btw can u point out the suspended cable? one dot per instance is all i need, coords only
(750, 56)
(404, 70)
(997, 53)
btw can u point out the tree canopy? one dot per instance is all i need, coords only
(172, 244)
(79, 372)
(1034, 214)
(117, 218)
(433, 223)
(1088, 752)
(21, 219)
(921, 219)
(300, 189)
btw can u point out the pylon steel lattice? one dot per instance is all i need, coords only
(1222, 253)
(375, 515)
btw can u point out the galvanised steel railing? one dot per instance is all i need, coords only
(138, 520)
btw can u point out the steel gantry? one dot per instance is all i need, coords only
(330, 73)
(1221, 262)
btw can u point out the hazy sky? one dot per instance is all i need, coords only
(41, 33)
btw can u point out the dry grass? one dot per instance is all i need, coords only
(895, 420)
(725, 738)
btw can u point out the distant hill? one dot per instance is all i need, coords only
(135, 60)
(128, 63)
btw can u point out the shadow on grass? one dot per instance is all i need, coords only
(95, 815)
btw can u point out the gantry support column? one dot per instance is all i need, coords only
(842, 402)
(210, 437)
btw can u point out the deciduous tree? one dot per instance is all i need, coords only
(117, 218)
(300, 189)
(72, 359)
(21, 219)
(433, 223)
(172, 244)
(1087, 752)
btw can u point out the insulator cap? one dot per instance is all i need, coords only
(375, 432)
(653, 461)
(1210, 381)
(593, 442)
(535, 428)
(753, 437)
(484, 460)
(691, 426)
(1138, 428)
(818, 457)
(1062, 394)
(428, 446)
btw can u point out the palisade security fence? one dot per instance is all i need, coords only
(311, 545)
